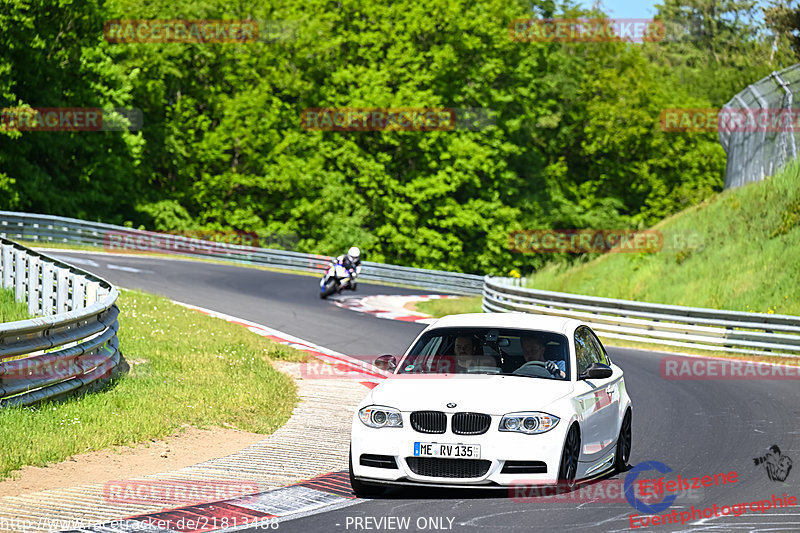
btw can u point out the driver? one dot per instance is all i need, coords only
(468, 355)
(533, 349)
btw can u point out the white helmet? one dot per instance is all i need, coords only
(353, 252)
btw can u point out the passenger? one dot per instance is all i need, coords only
(533, 350)
(467, 350)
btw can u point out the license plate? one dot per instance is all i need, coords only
(435, 449)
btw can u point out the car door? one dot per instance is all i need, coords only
(610, 398)
(594, 402)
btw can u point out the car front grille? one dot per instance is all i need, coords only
(429, 421)
(448, 468)
(471, 423)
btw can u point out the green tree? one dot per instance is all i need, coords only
(54, 56)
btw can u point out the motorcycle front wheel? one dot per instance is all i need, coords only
(330, 286)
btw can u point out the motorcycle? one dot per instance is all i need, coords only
(335, 280)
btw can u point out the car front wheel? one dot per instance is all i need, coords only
(569, 459)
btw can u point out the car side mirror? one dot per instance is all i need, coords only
(386, 362)
(597, 371)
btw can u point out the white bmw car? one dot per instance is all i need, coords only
(493, 400)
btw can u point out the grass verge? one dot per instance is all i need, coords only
(10, 309)
(186, 369)
(740, 251)
(449, 306)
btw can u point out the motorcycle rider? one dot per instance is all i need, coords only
(352, 262)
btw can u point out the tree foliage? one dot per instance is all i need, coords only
(575, 140)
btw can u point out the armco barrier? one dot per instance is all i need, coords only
(71, 344)
(706, 329)
(672, 325)
(47, 229)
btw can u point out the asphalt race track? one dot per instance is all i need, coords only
(287, 302)
(697, 428)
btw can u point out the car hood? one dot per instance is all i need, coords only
(494, 395)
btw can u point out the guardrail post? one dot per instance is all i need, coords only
(92, 290)
(8, 266)
(19, 275)
(34, 264)
(48, 289)
(62, 290)
(102, 293)
(78, 292)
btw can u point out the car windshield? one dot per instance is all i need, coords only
(517, 352)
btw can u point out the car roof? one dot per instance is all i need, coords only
(531, 321)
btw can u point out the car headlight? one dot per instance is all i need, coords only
(528, 423)
(375, 416)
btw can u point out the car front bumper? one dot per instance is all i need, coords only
(497, 447)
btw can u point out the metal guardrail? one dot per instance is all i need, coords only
(47, 229)
(707, 329)
(672, 325)
(71, 345)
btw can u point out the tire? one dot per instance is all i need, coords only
(568, 468)
(330, 286)
(623, 453)
(360, 489)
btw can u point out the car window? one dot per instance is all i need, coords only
(599, 348)
(495, 351)
(581, 353)
(431, 346)
(586, 350)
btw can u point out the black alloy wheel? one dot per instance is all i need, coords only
(569, 459)
(623, 454)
